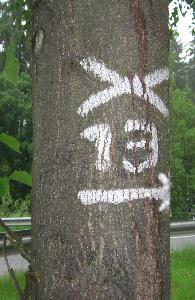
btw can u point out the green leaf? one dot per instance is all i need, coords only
(22, 176)
(10, 141)
(11, 69)
(4, 187)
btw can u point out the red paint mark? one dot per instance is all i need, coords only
(140, 26)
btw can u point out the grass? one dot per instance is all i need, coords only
(182, 273)
(13, 228)
(7, 291)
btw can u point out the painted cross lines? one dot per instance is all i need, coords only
(151, 80)
(121, 85)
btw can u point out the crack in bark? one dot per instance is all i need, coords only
(140, 25)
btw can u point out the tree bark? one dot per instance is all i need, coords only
(100, 219)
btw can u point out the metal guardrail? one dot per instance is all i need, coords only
(17, 221)
(184, 226)
(174, 226)
(182, 235)
(24, 234)
(177, 229)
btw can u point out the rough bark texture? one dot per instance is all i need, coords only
(99, 251)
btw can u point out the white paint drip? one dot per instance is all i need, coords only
(137, 86)
(89, 197)
(151, 80)
(100, 133)
(39, 41)
(166, 200)
(152, 157)
(121, 85)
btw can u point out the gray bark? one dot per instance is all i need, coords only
(103, 250)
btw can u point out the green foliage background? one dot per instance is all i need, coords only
(15, 109)
(182, 132)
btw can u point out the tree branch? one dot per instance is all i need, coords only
(11, 271)
(15, 241)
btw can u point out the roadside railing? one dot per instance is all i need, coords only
(26, 221)
(182, 226)
(23, 234)
(176, 229)
(174, 226)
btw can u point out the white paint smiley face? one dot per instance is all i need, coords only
(102, 136)
(152, 158)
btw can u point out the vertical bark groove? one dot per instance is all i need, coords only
(140, 25)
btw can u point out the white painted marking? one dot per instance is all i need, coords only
(137, 86)
(166, 200)
(100, 133)
(140, 144)
(121, 85)
(132, 125)
(151, 80)
(152, 157)
(118, 196)
(39, 41)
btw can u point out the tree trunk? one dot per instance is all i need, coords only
(101, 160)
